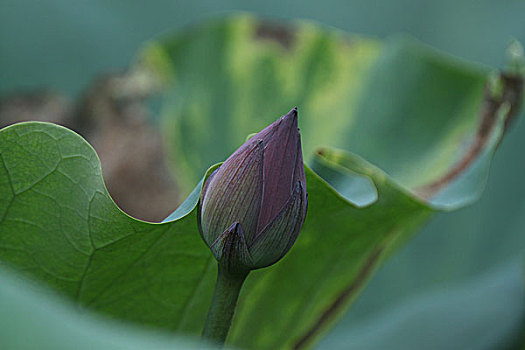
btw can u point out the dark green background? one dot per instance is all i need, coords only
(63, 44)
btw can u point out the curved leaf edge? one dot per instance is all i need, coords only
(339, 164)
(184, 209)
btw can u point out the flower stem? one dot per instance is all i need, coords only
(222, 306)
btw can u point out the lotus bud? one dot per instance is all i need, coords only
(253, 206)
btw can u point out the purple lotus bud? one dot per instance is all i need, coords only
(253, 206)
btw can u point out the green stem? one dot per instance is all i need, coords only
(222, 306)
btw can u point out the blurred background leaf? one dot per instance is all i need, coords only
(413, 111)
(229, 78)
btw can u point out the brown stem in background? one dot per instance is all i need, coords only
(512, 90)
